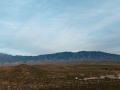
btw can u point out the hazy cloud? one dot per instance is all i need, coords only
(32, 27)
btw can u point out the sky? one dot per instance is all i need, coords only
(35, 27)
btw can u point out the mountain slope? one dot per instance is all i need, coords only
(83, 55)
(63, 56)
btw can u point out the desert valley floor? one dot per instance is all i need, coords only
(85, 76)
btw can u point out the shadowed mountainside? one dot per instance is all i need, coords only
(63, 56)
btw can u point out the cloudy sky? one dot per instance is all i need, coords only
(33, 27)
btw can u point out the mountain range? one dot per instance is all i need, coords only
(62, 56)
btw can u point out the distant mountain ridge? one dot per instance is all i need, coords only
(63, 56)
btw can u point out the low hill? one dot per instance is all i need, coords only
(23, 73)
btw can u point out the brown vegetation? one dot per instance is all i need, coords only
(58, 77)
